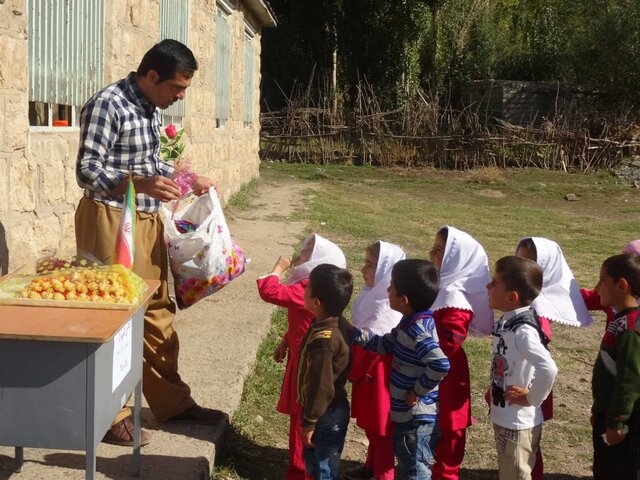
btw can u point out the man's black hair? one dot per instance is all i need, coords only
(332, 286)
(521, 275)
(418, 280)
(168, 57)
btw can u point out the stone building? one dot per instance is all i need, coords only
(57, 53)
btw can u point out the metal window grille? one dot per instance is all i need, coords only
(66, 50)
(174, 24)
(248, 79)
(223, 65)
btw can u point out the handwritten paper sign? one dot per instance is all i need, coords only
(122, 348)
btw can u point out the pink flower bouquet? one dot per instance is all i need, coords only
(171, 150)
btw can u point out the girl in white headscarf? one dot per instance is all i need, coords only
(462, 304)
(289, 293)
(370, 372)
(559, 301)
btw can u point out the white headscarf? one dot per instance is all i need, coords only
(371, 310)
(464, 276)
(560, 300)
(324, 251)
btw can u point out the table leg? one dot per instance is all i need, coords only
(137, 428)
(19, 458)
(90, 427)
(90, 466)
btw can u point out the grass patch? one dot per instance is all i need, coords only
(355, 206)
(241, 200)
(256, 423)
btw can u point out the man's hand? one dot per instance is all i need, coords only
(614, 436)
(159, 187)
(517, 395)
(280, 352)
(411, 399)
(306, 438)
(202, 185)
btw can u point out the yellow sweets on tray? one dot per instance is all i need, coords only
(112, 286)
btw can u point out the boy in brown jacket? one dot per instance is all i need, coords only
(323, 367)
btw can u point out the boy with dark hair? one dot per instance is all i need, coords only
(522, 370)
(418, 366)
(323, 368)
(615, 414)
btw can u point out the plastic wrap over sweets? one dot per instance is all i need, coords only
(76, 282)
(202, 254)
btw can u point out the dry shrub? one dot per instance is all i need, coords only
(487, 175)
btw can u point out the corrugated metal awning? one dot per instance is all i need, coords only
(262, 11)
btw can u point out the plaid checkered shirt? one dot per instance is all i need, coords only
(119, 133)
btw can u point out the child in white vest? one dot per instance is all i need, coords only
(522, 370)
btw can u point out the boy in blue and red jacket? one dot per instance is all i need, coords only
(615, 414)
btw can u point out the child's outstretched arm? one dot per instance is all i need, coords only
(271, 290)
(282, 265)
(382, 344)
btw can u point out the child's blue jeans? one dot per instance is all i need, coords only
(323, 461)
(415, 445)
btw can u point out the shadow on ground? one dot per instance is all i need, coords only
(251, 461)
(6, 467)
(119, 468)
(209, 433)
(468, 474)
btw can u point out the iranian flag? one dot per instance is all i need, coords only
(125, 241)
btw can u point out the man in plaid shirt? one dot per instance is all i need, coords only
(120, 133)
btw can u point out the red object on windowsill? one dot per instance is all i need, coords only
(60, 123)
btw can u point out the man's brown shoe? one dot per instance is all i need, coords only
(200, 415)
(122, 434)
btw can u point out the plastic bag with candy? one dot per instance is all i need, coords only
(204, 259)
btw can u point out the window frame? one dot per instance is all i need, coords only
(57, 70)
(249, 38)
(172, 112)
(226, 9)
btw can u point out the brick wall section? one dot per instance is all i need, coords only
(520, 103)
(38, 191)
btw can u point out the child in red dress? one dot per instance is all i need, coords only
(592, 297)
(370, 372)
(559, 301)
(461, 305)
(290, 295)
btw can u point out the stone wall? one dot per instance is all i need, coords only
(519, 103)
(38, 190)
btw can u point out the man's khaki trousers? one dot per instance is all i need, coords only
(96, 229)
